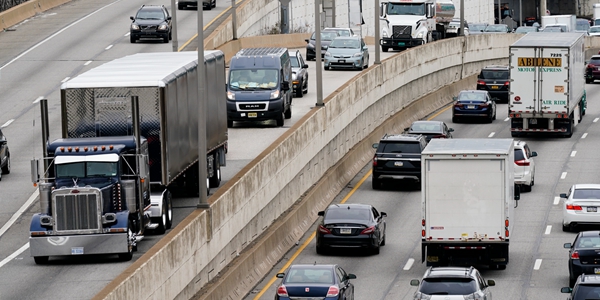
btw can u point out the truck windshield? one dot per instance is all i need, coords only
(257, 79)
(86, 169)
(417, 9)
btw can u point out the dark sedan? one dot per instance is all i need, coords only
(430, 129)
(351, 226)
(473, 104)
(584, 255)
(592, 71)
(315, 282)
(326, 38)
(4, 155)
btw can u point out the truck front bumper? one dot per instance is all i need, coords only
(400, 42)
(78, 244)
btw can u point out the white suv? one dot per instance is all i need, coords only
(452, 283)
(524, 166)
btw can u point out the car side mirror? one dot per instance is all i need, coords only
(305, 66)
(168, 18)
(406, 129)
(533, 154)
(351, 276)
(375, 145)
(450, 129)
(326, 47)
(566, 290)
(280, 275)
(414, 282)
(383, 214)
(306, 40)
(563, 196)
(455, 98)
(491, 282)
(132, 18)
(567, 245)
(285, 85)
(321, 213)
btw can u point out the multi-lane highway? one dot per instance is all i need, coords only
(538, 262)
(35, 59)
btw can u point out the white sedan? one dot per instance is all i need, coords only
(581, 206)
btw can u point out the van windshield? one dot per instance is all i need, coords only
(257, 79)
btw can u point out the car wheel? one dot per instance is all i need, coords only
(229, 124)
(384, 49)
(566, 228)
(166, 39)
(376, 250)
(132, 39)
(214, 4)
(326, 68)
(180, 6)
(170, 35)
(288, 112)
(526, 188)
(279, 119)
(572, 281)
(494, 115)
(383, 240)
(376, 183)
(306, 87)
(6, 168)
(299, 92)
(454, 119)
(588, 80)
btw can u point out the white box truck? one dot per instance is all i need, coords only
(468, 200)
(547, 89)
(566, 22)
(596, 13)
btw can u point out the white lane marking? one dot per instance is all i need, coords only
(548, 229)
(127, 34)
(7, 123)
(584, 135)
(409, 264)
(38, 99)
(556, 200)
(491, 134)
(107, 48)
(15, 254)
(573, 153)
(596, 120)
(67, 78)
(538, 264)
(563, 175)
(19, 212)
(87, 62)
(57, 33)
(506, 120)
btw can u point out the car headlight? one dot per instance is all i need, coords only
(420, 35)
(327, 54)
(230, 95)
(135, 27)
(275, 94)
(162, 27)
(359, 54)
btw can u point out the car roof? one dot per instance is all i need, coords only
(294, 52)
(586, 186)
(313, 266)
(401, 137)
(350, 205)
(474, 91)
(347, 38)
(596, 56)
(427, 122)
(589, 233)
(589, 279)
(496, 67)
(441, 272)
(519, 144)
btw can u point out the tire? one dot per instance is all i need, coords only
(376, 250)
(454, 119)
(501, 267)
(526, 188)
(588, 81)
(494, 118)
(321, 250)
(166, 217)
(376, 183)
(166, 39)
(383, 240)
(326, 68)
(40, 260)
(180, 6)
(127, 256)
(6, 168)
(566, 228)
(170, 35)
(215, 180)
(132, 39)
(279, 120)
(299, 91)
(288, 112)
(384, 49)
(229, 124)
(490, 119)
(214, 4)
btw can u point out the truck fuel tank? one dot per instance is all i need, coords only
(444, 11)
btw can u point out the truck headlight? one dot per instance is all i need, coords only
(359, 54)
(135, 27)
(420, 35)
(230, 95)
(384, 34)
(275, 94)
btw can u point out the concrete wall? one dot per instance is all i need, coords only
(26, 10)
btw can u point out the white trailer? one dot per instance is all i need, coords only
(547, 89)
(566, 22)
(476, 11)
(468, 200)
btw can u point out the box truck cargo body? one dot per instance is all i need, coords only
(468, 201)
(547, 90)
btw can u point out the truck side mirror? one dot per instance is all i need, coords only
(35, 171)
(517, 192)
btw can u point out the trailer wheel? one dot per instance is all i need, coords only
(40, 260)
(127, 256)
(215, 180)
(164, 222)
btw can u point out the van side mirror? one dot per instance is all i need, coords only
(285, 85)
(306, 40)
(132, 18)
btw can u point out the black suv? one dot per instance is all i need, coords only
(453, 281)
(151, 21)
(586, 287)
(398, 157)
(4, 155)
(495, 80)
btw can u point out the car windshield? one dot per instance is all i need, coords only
(86, 169)
(150, 15)
(406, 147)
(489, 74)
(471, 97)
(496, 28)
(594, 29)
(587, 292)
(448, 286)
(309, 275)
(255, 79)
(345, 43)
(406, 9)
(582, 25)
(553, 29)
(586, 194)
(325, 35)
(427, 127)
(337, 213)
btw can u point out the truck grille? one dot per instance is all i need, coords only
(252, 106)
(77, 211)
(401, 31)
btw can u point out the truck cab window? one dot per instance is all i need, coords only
(70, 170)
(101, 169)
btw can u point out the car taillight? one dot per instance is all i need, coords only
(282, 291)
(507, 83)
(590, 66)
(480, 82)
(575, 255)
(375, 161)
(322, 229)
(573, 207)
(459, 105)
(333, 292)
(483, 105)
(368, 230)
(522, 163)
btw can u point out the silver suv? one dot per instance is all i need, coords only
(4, 155)
(586, 287)
(449, 282)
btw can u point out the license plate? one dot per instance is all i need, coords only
(597, 270)
(533, 121)
(495, 87)
(470, 106)
(345, 230)
(401, 44)
(252, 115)
(398, 164)
(77, 251)
(592, 209)
(342, 61)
